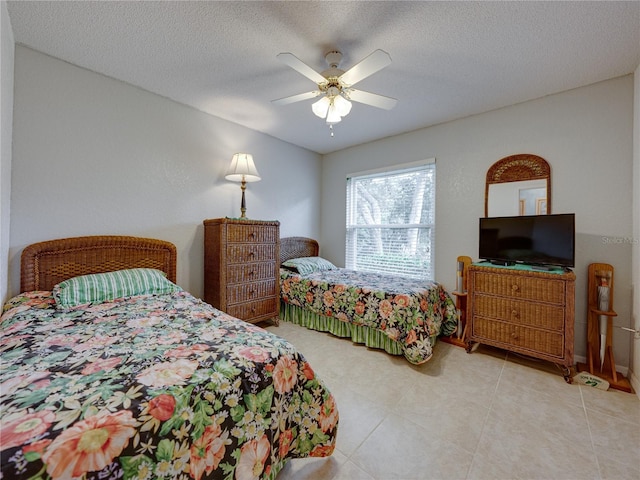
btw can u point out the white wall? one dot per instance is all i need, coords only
(6, 122)
(635, 341)
(586, 136)
(94, 156)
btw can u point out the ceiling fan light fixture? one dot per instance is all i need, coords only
(321, 107)
(333, 116)
(342, 105)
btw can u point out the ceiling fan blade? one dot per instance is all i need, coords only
(301, 67)
(296, 98)
(372, 99)
(370, 65)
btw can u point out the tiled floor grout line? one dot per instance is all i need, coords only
(386, 415)
(486, 418)
(355, 450)
(363, 442)
(593, 446)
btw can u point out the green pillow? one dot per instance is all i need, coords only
(101, 287)
(305, 265)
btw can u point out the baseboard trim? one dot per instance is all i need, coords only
(635, 382)
(619, 368)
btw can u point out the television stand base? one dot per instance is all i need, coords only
(502, 263)
(542, 267)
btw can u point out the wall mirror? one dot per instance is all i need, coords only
(518, 185)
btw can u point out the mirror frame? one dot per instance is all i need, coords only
(518, 168)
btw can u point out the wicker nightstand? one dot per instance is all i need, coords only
(523, 311)
(241, 267)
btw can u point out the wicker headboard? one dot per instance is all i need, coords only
(45, 264)
(296, 247)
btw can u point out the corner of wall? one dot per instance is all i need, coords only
(634, 373)
(7, 49)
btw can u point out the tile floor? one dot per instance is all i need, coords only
(484, 415)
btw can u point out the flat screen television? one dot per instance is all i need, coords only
(539, 240)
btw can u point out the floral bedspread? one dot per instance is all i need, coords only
(410, 312)
(153, 387)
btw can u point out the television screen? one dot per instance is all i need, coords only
(531, 239)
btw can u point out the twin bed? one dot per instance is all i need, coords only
(400, 316)
(122, 374)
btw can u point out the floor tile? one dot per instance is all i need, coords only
(400, 449)
(313, 468)
(612, 402)
(615, 439)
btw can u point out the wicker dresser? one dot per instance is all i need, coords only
(524, 311)
(241, 267)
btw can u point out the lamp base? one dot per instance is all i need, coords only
(243, 203)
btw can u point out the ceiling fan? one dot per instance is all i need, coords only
(336, 85)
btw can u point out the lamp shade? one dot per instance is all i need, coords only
(242, 169)
(333, 116)
(321, 107)
(343, 106)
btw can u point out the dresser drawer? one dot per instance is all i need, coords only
(244, 253)
(241, 267)
(246, 292)
(505, 335)
(250, 272)
(252, 234)
(520, 312)
(265, 308)
(518, 286)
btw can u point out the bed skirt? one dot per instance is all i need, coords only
(358, 333)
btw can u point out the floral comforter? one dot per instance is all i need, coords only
(153, 387)
(411, 312)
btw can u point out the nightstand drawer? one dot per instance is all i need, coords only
(244, 253)
(521, 312)
(246, 292)
(266, 308)
(501, 334)
(250, 272)
(518, 286)
(252, 234)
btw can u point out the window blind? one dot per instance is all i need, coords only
(390, 221)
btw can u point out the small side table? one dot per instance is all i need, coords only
(458, 338)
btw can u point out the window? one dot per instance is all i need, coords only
(390, 220)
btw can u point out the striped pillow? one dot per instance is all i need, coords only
(305, 265)
(102, 287)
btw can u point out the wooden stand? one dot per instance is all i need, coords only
(458, 337)
(601, 275)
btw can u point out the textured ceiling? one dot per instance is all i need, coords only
(450, 59)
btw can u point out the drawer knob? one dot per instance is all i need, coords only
(515, 288)
(515, 314)
(514, 335)
(252, 235)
